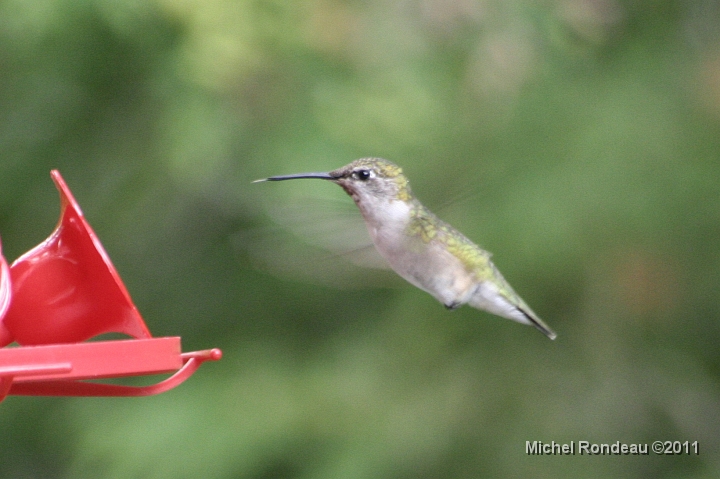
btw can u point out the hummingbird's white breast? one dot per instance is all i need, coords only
(386, 220)
(428, 266)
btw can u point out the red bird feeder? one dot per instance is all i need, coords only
(65, 291)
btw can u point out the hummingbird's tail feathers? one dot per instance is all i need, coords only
(539, 324)
(504, 302)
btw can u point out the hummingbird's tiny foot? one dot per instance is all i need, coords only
(452, 306)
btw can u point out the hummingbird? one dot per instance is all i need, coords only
(424, 250)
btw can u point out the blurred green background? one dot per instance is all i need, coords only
(578, 140)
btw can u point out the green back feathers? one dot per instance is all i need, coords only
(428, 227)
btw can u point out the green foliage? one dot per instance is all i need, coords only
(579, 141)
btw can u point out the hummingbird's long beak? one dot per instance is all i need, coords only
(317, 175)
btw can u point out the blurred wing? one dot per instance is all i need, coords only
(317, 240)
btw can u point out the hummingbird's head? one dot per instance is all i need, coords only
(369, 180)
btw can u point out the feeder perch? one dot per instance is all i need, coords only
(60, 294)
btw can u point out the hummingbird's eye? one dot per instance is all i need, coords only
(362, 175)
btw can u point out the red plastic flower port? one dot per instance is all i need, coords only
(66, 290)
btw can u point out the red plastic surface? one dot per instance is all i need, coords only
(66, 288)
(77, 388)
(100, 359)
(64, 291)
